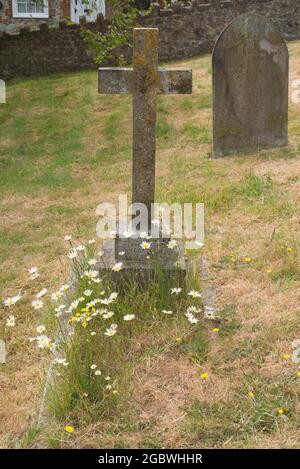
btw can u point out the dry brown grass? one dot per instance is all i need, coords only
(164, 385)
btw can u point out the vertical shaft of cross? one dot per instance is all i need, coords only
(146, 79)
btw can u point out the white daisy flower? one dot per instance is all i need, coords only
(107, 378)
(145, 245)
(74, 305)
(210, 313)
(92, 262)
(167, 312)
(172, 244)
(33, 270)
(37, 304)
(43, 341)
(12, 300)
(194, 294)
(40, 329)
(34, 276)
(117, 267)
(91, 274)
(42, 293)
(80, 248)
(111, 331)
(56, 295)
(108, 387)
(72, 254)
(93, 367)
(200, 245)
(61, 361)
(129, 317)
(64, 287)
(88, 292)
(93, 333)
(11, 321)
(91, 241)
(121, 253)
(108, 315)
(96, 280)
(127, 234)
(175, 291)
(191, 318)
(68, 238)
(100, 253)
(98, 373)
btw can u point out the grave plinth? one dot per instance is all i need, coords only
(141, 264)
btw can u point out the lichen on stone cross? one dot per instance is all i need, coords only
(144, 81)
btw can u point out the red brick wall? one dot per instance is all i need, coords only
(52, 9)
(65, 8)
(8, 10)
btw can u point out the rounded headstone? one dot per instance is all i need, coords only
(250, 87)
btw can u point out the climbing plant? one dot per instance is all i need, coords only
(116, 36)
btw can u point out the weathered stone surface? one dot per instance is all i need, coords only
(132, 250)
(250, 87)
(137, 260)
(117, 80)
(144, 81)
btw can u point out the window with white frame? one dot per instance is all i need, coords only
(30, 9)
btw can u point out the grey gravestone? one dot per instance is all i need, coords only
(250, 87)
(144, 81)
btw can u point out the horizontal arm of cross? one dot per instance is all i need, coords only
(121, 81)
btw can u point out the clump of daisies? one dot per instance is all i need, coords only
(93, 316)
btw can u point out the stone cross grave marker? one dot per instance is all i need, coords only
(144, 82)
(250, 87)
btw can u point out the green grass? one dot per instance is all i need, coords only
(78, 396)
(65, 149)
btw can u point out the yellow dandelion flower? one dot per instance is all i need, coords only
(178, 339)
(280, 411)
(269, 271)
(286, 356)
(216, 329)
(84, 324)
(289, 249)
(298, 374)
(247, 259)
(251, 394)
(204, 376)
(69, 429)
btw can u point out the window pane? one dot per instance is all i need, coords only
(27, 6)
(22, 8)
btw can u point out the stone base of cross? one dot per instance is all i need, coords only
(144, 81)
